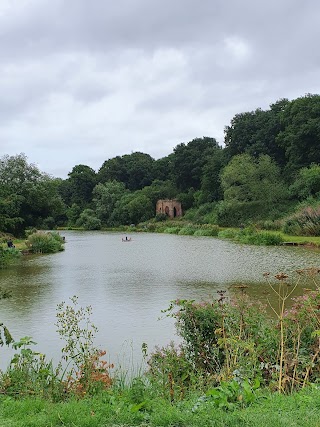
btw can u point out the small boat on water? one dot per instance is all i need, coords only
(126, 239)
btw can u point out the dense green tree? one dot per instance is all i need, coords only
(73, 214)
(134, 170)
(160, 190)
(307, 183)
(27, 196)
(88, 220)
(163, 168)
(210, 181)
(105, 197)
(256, 133)
(139, 169)
(189, 161)
(247, 179)
(113, 170)
(253, 190)
(10, 219)
(48, 205)
(187, 199)
(300, 137)
(133, 208)
(78, 187)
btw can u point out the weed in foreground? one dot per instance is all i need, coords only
(88, 372)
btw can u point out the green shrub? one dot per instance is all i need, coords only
(30, 231)
(252, 236)
(89, 373)
(88, 220)
(8, 256)
(171, 372)
(235, 339)
(211, 218)
(275, 225)
(258, 237)
(187, 231)
(305, 222)
(209, 230)
(204, 214)
(41, 242)
(234, 214)
(219, 338)
(161, 217)
(172, 230)
(49, 223)
(229, 233)
(29, 373)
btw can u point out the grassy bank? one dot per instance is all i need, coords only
(249, 235)
(298, 410)
(35, 242)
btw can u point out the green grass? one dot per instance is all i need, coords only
(298, 410)
(19, 244)
(302, 240)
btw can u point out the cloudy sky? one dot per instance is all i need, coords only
(82, 81)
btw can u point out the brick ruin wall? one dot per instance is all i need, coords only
(172, 208)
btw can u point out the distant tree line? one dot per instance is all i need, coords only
(268, 169)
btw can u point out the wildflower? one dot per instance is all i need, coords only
(281, 276)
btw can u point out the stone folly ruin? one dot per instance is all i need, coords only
(171, 208)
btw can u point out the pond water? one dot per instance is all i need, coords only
(129, 283)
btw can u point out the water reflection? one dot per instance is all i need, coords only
(128, 284)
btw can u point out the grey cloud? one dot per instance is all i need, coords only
(82, 81)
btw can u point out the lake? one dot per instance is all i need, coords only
(129, 283)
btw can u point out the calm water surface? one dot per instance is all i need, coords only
(129, 283)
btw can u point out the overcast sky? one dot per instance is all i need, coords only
(82, 81)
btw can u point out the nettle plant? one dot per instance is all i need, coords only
(87, 371)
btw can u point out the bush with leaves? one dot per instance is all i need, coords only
(45, 242)
(29, 373)
(252, 236)
(171, 372)
(219, 338)
(88, 220)
(5, 336)
(305, 222)
(88, 372)
(8, 256)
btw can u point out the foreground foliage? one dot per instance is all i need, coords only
(236, 340)
(231, 360)
(118, 408)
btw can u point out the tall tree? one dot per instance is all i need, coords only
(105, 197)
(211, 180)
(27, 196)
(247, 179)
(163, 168)
(133, 208)
(255, 133)
(134, 170)
(78, 187)
(307, 183)
(189, 160)
(300, 137)
(160, 190)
